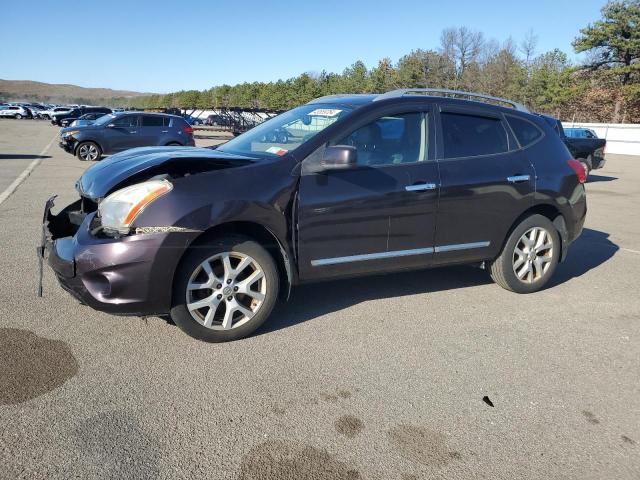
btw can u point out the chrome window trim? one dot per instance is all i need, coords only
(396, 253)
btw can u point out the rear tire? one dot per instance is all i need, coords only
(205, 278)
(174, 144)
(529, 256)
(18, 116)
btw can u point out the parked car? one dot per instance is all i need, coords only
(366, 184)
(580, 133)
(217, 120)
(589, 151)
(71, 115)
(116, 132)
(82, 120)
(14, 111)
(48, 114)
(191, 120)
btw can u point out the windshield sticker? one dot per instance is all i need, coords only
(325, 112)
(277, 150)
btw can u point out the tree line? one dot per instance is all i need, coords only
(603, 88)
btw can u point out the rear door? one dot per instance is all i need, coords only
(486, 183)
(151, 131)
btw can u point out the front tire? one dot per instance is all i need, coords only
(529, 256)
(88, 152)
(18, 116)
(224, 291)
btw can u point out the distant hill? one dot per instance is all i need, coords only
(29, 91)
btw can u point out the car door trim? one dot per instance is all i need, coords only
(370, 256)
(461, 246)
(397, 253)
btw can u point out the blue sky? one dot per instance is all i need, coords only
(163, 46)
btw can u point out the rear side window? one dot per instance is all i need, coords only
(152, 121)
(525, 131)
(166, 121)
(180, 123)
(472, 135)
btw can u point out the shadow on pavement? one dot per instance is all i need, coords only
(20, 156)
(307, 302)
(600, 178)
(310, 301)
(590, 250)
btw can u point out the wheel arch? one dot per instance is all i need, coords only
(261, 234)
(553, 214)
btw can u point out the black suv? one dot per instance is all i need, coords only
(362, 184)
(120, 131)
(71, 115)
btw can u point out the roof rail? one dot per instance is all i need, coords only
(453, 93)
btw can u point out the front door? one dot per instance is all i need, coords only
(378, 216)
(123, 134)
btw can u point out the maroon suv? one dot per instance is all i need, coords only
(345, 185)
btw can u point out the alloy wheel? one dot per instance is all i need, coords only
(88, 152)
(532, 255)
(226, 291)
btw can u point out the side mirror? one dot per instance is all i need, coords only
(339, 157)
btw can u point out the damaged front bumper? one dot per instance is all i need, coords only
(130, 275)
(67, 144)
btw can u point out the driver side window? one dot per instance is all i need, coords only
(390, 140)
(128, 121)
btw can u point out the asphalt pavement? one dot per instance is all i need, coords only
(431, 374)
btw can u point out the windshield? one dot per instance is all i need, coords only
(105, 119)
(285, 132)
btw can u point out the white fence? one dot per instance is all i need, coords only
(623, 138)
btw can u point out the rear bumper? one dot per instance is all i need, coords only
(131, 275)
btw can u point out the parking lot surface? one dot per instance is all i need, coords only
(375, 378)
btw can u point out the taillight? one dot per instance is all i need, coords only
(187, 129)
(577, 167)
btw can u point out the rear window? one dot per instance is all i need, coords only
(525, 131)
(179, 122)
(152, 121)
(472, 135)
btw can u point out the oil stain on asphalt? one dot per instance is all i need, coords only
(591, 418)
(422, 445)
(31, 366)
(120, 447)
(349, 426)
(281, 460)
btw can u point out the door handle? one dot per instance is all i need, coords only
(420, 187)
(164, 131)
(519, 178)
(133, 131)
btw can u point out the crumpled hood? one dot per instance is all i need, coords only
(101, 178)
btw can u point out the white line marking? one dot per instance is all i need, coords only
(25, 173)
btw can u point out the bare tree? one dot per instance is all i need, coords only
(463, 46)
(528, 46)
